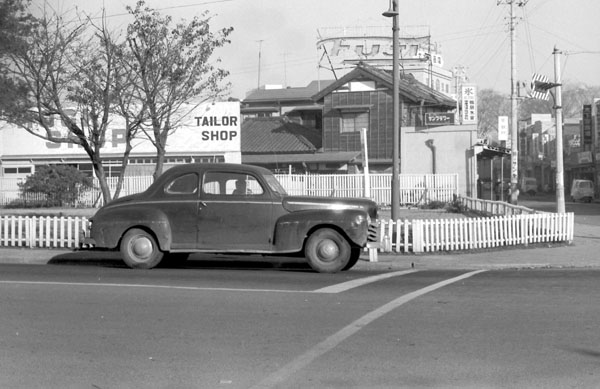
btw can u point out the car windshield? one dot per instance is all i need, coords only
(275, 185)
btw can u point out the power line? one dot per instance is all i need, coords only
(171, 7)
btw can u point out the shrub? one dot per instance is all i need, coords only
(61, 184)
(434, 205)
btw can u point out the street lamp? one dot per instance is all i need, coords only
(392, 12)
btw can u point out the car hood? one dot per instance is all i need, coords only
(302, 203)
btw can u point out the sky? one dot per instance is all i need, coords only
(471, 33)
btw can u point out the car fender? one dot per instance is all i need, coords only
(291, 230)
(110, 224)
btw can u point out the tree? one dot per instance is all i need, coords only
(15, 27)
(490, 105)
(60, 183)
(67, 74)
(173, 69)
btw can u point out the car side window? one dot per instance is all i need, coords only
(186, 184)
(231, 184)
(243, 185)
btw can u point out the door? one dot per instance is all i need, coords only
(234, 214)
(179, 202)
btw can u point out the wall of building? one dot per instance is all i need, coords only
(207, 132)
(450, 146)
(380, 119)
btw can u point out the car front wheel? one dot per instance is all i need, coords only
(139, 249)
(327, 251)
(354, 257)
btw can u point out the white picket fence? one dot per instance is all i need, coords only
(400, 236)
(42, 231)
(414, 188)
(424, 235)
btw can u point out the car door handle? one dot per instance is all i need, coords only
(201, 205)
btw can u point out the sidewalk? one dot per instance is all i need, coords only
(582, 253)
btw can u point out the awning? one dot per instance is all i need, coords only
(341, 157)
(489, 152)
(258, 109)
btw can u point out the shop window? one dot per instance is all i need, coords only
(17, 170)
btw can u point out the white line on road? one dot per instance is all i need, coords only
(338, 288)
(281, 375)
(150, 286)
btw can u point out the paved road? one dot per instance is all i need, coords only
(74, 326)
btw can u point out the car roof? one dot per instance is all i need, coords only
(200, 167)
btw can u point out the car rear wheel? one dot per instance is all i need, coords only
(327, 251)
(139, 249)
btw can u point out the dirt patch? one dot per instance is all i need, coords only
(417, 213)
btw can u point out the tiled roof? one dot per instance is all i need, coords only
(276, 135)
(293, 94)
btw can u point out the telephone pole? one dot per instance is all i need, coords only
(560, 178)
(394, 13)
(259, 55)
(514, 125)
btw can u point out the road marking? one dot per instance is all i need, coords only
(281, 375)
(338, 288)
(150, 286)
(344, 286)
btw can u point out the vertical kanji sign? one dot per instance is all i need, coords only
(469, 103)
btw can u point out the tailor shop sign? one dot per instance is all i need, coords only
(211, 127)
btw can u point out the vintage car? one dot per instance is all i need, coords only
(232, 208)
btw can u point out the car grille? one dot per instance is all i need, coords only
(373, 233)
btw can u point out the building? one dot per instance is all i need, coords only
(209, 132)
(294, 103)
(342, 48)
(537, 149)
(363, 99)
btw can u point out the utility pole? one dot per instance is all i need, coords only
(393, 13)
(514, 130)
(259, 55)
(514, 125)
(459, 74)
(285, 69)
(560, 178)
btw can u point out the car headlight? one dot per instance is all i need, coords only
(360, 219)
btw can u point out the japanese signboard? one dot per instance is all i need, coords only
(439, 118)
(502, 128)
(587, 125)
(469, 103)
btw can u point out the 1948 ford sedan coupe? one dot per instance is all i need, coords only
(232, 208)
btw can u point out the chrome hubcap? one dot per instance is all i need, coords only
(328, 250)
(142, 247)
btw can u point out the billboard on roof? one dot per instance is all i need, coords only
(346, 46)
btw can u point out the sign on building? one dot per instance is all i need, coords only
(206, 128)
(587, 126)
(502, 128)
(469, 103)
(439, 118)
